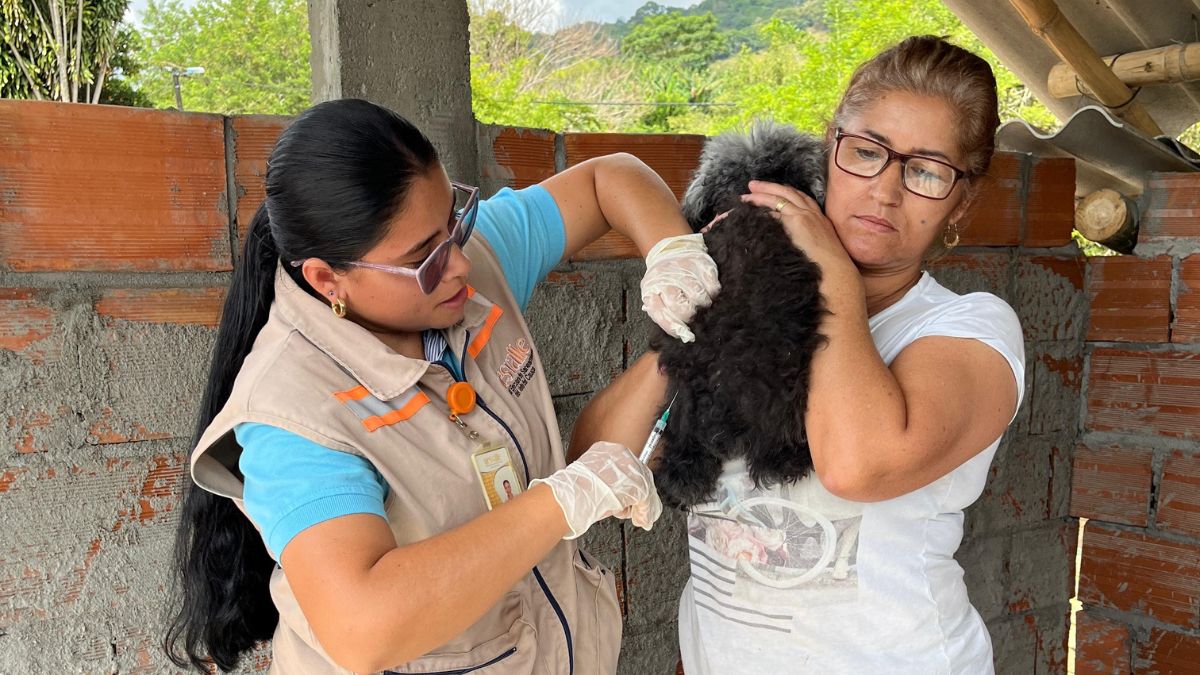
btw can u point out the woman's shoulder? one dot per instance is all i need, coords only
(941, 303)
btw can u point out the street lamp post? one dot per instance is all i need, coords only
(176, 74)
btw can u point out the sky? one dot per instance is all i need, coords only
(570, 11)
(609, 10)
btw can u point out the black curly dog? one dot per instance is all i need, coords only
(740, 390)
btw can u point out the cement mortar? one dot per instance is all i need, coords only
(88, 561)
(412, 57)
(101, 380)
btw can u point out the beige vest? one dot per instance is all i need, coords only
(332, 382)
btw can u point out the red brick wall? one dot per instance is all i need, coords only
(1137, 469)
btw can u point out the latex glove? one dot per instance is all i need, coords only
(680, 278)
(606, 480)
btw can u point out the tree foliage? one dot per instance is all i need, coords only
(521, 77)
(254, 53)
(66, 50)
(683, 41)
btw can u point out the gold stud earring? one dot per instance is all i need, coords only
(950, 238)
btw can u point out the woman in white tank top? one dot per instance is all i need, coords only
(851, 569)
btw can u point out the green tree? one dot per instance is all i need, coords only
(800, 74)
(66, 50)
(550, 80)
(684, 41)
(254, 54)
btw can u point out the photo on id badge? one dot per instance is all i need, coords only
(493, 465)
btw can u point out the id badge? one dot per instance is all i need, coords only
(494, 466)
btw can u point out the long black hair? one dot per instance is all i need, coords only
(335, 178)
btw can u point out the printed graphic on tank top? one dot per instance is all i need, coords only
(756, 552)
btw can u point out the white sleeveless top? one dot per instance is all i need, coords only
(793, 579)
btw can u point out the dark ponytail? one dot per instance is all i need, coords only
(336, 177)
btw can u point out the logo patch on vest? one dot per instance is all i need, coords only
(517, 369)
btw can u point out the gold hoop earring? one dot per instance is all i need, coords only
(339, 307)
(950, 238)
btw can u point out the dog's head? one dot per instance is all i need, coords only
(769, 151)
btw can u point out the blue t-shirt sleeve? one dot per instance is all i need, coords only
(292, 483)
(525, 229)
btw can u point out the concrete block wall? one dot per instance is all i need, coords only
(1137, 466)
(118, 229)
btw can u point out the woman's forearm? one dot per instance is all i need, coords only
(624, 411)
(415, 598)
(615, 193)
(856, 414)
(637, 202)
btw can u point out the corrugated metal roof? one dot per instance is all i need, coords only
(1111, 27)
(1109, 152)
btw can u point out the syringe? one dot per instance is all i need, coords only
(656, 433)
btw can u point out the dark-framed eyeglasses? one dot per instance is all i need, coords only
(459, 227)
(923, 176)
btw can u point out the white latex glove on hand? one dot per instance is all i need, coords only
(680, 278)
(607, 480)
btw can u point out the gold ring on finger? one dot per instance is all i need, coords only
(779, 207)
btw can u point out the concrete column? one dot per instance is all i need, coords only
(409, 55)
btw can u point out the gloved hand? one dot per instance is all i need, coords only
(680, 278)
(606, 480)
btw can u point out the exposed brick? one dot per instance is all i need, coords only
(111, 188)
(1168, 653)
(193, 306)
(994, 218)
(1112, 484)
(1154, 393)
(1186, 327)
(1172, 206)
(1131, 298)
(1102, 647)
(674, 157)
(1050, 206)
(1141, 573)
(1179, 495)
(523, 157)
(25, 318)
(253, 138)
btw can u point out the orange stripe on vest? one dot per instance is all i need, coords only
(485, 333)
(409, 409)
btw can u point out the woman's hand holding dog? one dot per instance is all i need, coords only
(680, 278)
(806, 225)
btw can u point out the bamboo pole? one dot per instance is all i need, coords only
(1048, 23)
(1162, 65)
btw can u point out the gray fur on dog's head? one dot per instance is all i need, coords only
(769, 151)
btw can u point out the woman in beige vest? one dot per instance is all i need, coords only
(384, 487)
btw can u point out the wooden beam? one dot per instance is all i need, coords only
(1048, 23)
(1107, 217)
(1162, 65)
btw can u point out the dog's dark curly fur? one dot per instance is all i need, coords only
(741, 388)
